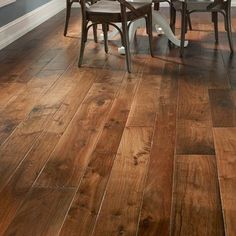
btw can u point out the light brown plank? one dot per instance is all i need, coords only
(196, 208)
(9, 91)
(225, 141)
(120, 209)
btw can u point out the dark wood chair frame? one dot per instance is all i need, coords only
(69, 4)
(123, 32)
(218, 6)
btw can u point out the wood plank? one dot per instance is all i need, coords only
(144, 107)
(83, 212)
(31, 59)
(71, 156)
(225, 142)
(194, 126)
(13, 151)
(223, 107)
(15, 191)
(17, 110)
(196, 208)
(120, 209)
(158, 187)
(42, 213)
(9, 91)
(216, 72)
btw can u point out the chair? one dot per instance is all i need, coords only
(187, 7)
(69, 4)
(112, 12)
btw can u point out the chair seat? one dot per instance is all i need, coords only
(110, 11)
(199, 5)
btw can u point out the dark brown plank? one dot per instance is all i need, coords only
(225, 141)
(42, 213)
(144, 107)
(214, 68)
(17, 110)
(71, 156)
(194, 132)
(196, 208)
(223, 107)
(15, 191)
(82, 214)
(158, 187)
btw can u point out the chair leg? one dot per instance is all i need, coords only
(172, 18)
(83, 41)
(228, 29)
(215, 21)
(149, 30)
(189, 21)
(68, 10)
(95, 36)
(125, 40)
(104, 29)
(183, 27)
(172, 22)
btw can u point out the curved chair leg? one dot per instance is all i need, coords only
(172, 18)
(189, 21)
(172, 21)
(125, 40)
(228, 29)
(104, 29)
(215, 21)
(149, 31)
(83, 41)
(183, 27)
(68, 10)
(95, 36)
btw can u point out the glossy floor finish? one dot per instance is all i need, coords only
(97, 151)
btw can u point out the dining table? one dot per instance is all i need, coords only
(160, 25)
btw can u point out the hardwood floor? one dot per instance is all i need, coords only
(97, 151)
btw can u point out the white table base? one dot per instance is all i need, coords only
(160, 24)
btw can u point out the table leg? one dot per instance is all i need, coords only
(163, 23)
(158, 22)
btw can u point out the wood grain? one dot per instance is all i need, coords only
(15, 191)
(158, 187)
(16, 111)
(144, 107)
(79, 139)
(42, 212)
(119, 213)
(196, 203)
(90, 151)
(225, 142)
(223, 107)
(83, 212)
(194, 133)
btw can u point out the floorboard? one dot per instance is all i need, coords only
(97, 151)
